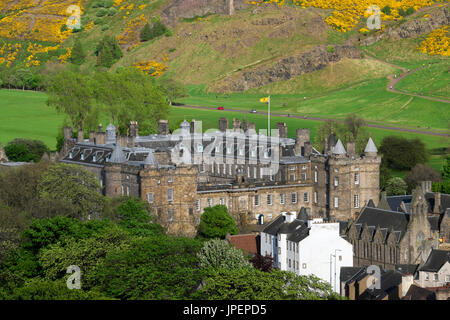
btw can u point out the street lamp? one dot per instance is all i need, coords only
(331, 276)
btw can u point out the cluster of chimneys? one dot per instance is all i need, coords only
(108, 136)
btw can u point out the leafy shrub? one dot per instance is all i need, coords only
(112, 11)
(330, 48)
(105, 27)
(410, 10)
(98, 21)
(18, 153)
(102, 12)
(25, 150)
(386, 10)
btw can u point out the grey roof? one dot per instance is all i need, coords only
(150, 159)
(339, 148)
(434, 222)
(331, 141)
(385, 219)
(436, 260)
(302, 215)
(273, 226)
(389, 282)
(419, 293)
(118, 156)
(370, 147)
(406, 268)
(348, 273)
(395, 202)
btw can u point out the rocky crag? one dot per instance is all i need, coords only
(317, 58)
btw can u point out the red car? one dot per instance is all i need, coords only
(219, 108)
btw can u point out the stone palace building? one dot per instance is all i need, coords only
(255, 176)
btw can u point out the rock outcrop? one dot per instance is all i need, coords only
(287, 68)
(185, 9)
(413, 28)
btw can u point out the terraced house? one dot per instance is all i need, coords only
(255, 176)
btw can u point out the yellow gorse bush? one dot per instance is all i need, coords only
(153, 68)
(347, 13)
(437, 42)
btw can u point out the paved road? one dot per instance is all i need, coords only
(315, 119)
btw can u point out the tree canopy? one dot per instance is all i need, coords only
(216, 222)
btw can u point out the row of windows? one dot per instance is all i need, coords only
(336, 179)
(293, 198)
(355, 201)
(436, 277)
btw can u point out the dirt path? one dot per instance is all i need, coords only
(393, 81)
(315, 119)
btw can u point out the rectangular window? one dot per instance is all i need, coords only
(447, 278)
(303, 176)
(294, 197)
(356, 178)
(336, 202)
(170, 215)
(197, 205)
(128, 191)
(315, 196)
(210, 201)
(170, 194)
(427, 276)
(269, 199)
(269, 216)
(304, 265)
(230, 171)
(261, 172)
(316, 176)
(292, 177)
(150, 197)
(202, 167)
(254, 172)
(356, 200)
(306, 197)
(222, 201)
(436, 277)
(282, 198)
(292, 168)
(336, 181)
(169, 180)
(256, 200)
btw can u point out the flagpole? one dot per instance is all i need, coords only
(268, 120)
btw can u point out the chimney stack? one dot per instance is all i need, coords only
(282, 129)
(80, 136)
(163, 127)
(437, 202)
(351, 149)
(92, 136)
(302, 136)
(236, 125)
(223, 124)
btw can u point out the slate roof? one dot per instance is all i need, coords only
(395, 201)
(419, 293)
(436, 260)
(390, 280)
(273, 227)
(296, 230)
(347, 273)
(406, 268)
(384, 219)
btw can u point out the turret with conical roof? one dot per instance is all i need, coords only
(339, 149)
(370, 150)
(118, 156)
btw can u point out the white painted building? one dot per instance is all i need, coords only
(307, 247)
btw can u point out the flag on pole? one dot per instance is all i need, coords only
(266, 99)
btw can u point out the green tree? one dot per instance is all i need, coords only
(402, 154)
(146, 33)
(446, 168)
(172, 89)
(108, 51)
(71, 93)
(396, 186)
(386, 10)
(130, 95)
(216, 222)
(159, 267)
(253, 284)
(419, 173)
(18, 153)
(85, 253)
(220, 254)
(74, 185)
(134, 215)
(36, 149)
(78, 54)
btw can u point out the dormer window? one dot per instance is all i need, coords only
(229, 149)
(94, 158)
(82, 156)
(253, 152)
(199, 148)
(241, 151)
(70, 155)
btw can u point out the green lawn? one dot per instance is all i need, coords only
(24, 114)
(369, 99)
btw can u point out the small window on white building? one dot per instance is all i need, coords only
(199, 148)
(336, 202)
(427, 276)
(436, 277)
(304, 265)
(447, 278)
